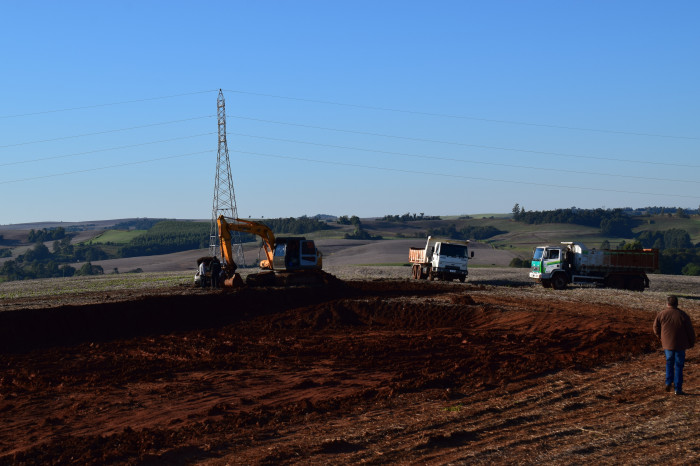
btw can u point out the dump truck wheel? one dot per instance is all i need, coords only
(635, 283)
(559, 281)
(416, 271)
(615, 281)
(424, 272)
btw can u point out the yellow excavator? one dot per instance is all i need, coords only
(289, 261)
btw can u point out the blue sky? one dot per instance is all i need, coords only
(347, 108)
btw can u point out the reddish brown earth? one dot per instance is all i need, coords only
(378, 372)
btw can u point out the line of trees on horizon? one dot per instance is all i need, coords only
(465, 233)
(408, 217)
(612, 222)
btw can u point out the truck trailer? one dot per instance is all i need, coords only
(444, 260)
(557, 266)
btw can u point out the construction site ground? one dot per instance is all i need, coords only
(374, 368)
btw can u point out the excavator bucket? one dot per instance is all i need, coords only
(235, 282)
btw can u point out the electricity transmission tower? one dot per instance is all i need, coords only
(224, 197)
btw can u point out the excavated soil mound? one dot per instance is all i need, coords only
(284, 375)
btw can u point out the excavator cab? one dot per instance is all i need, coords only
(295, 253)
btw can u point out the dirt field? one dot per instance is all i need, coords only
(380, 370)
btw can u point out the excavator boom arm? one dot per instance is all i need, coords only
(245, 226)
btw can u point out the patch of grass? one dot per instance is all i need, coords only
(664, 222)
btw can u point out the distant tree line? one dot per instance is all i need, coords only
(678, 254)
(46, 234)
(16, 270)
(39, 262)
(677, 211)
(64, 251)
(680, 261)
(344, 220)
(296, 226)
(465, 233)
(674, 238)
(612, 222)
(164, 237)
(407, 217)
(359, 233)
(324, 217)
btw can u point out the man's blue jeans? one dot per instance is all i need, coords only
(674, 368)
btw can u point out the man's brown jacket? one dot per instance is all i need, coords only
(674, 328)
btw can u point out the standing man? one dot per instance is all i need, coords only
(203, 273)
(215, 271)
(676, 332)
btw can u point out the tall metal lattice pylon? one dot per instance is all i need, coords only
(224, 196)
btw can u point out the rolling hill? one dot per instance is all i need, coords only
(514, 239)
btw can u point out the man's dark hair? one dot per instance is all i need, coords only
(672, 301)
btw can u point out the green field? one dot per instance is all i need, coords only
(664, 222)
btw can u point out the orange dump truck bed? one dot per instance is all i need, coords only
(417, 256)
(633, 260)
(644, 259)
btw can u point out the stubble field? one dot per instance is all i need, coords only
(375, 368)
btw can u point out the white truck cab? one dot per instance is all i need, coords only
(444, 260)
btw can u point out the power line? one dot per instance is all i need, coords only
(364, 149)
(346, 164)
(139, 162)
(462, 117)
(451, 159)
(106, 131)
(105, 105)
(404, 154)
(479, 146)
(105, 150)
(452, 175)
(367, 107)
